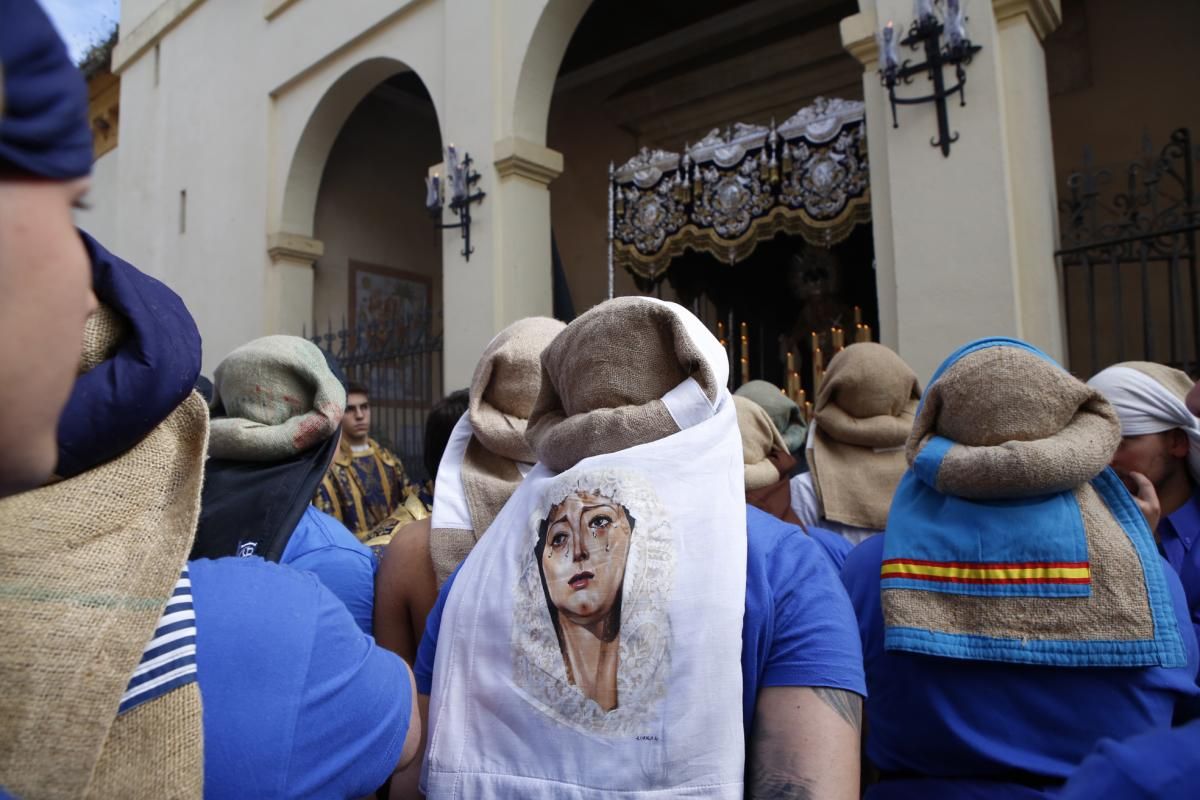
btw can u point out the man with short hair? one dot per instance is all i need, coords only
(1160, 440)
(366, 481)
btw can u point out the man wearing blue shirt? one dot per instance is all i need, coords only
(1160, 439)
(946, 727)
(310, 708)
(277, 403)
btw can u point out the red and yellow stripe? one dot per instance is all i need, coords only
(1064, 572)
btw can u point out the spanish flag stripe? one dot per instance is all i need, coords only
(985, 564)
(988, 581)
(1056, 572)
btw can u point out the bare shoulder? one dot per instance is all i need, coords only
(405, 590)
(406, 560)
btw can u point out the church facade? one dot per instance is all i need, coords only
(273, 156)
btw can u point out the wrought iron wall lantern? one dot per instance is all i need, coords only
(925, 34)
(461, 179)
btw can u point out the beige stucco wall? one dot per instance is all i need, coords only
(241, 105)
(962, 242)
(200, 128)
(245, 100)
(100, 219)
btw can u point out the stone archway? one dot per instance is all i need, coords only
(291, 245)
(324, 125)
(539, 68)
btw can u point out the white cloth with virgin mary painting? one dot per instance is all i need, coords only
(507, 716)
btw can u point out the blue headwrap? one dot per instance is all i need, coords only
(153, 369)
(44, 128)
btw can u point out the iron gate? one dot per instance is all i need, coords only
(1128, 258)
(399, 361)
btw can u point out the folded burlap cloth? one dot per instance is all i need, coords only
(861, 420)
(479, 469)
(86, 567)
(1010, 539)
(767, 461)
(783, 412)
(628, 534)
(276, 410)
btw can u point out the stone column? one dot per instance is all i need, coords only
(289, 290)
(964, 245)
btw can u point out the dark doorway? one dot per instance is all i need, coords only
(784, 292)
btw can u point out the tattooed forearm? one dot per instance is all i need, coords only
(768, 782)
(848, 705)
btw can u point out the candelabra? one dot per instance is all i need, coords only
(462, 179)
(926, 34)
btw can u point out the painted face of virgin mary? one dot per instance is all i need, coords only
(587, 544)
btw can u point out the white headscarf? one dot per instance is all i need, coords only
(1149, 398)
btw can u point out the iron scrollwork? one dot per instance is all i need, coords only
(1130, 235)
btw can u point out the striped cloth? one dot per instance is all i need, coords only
(169, 660)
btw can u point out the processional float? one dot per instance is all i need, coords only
(735, 189)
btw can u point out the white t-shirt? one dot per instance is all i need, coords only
(808, 509)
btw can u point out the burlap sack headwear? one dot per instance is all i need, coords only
(272, 398)
(784, 413)
(1010, 539)
(760, 438)
(88, 565)
(592, 401)
(502, 394)
(862, 418)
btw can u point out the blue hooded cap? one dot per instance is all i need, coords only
(150, 372)
(44, 127)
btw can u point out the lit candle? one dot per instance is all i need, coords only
(887, 45)
(433, 192)
(458, 184)
(956, 23)
(791, 363)
(857, 315)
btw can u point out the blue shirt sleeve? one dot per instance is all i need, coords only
(326, 548)
(354, 712)
(427, 650)
(297, 701)
(1161, 765)
(815, 641)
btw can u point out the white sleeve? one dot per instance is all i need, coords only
(804, 499)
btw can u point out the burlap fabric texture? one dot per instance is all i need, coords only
(1021, 427)
(503, 391)
(1176, 381)
(863, 415)
(760, 438)
(274, 397)
(86, 568)
(592, 401)
(784, 414)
